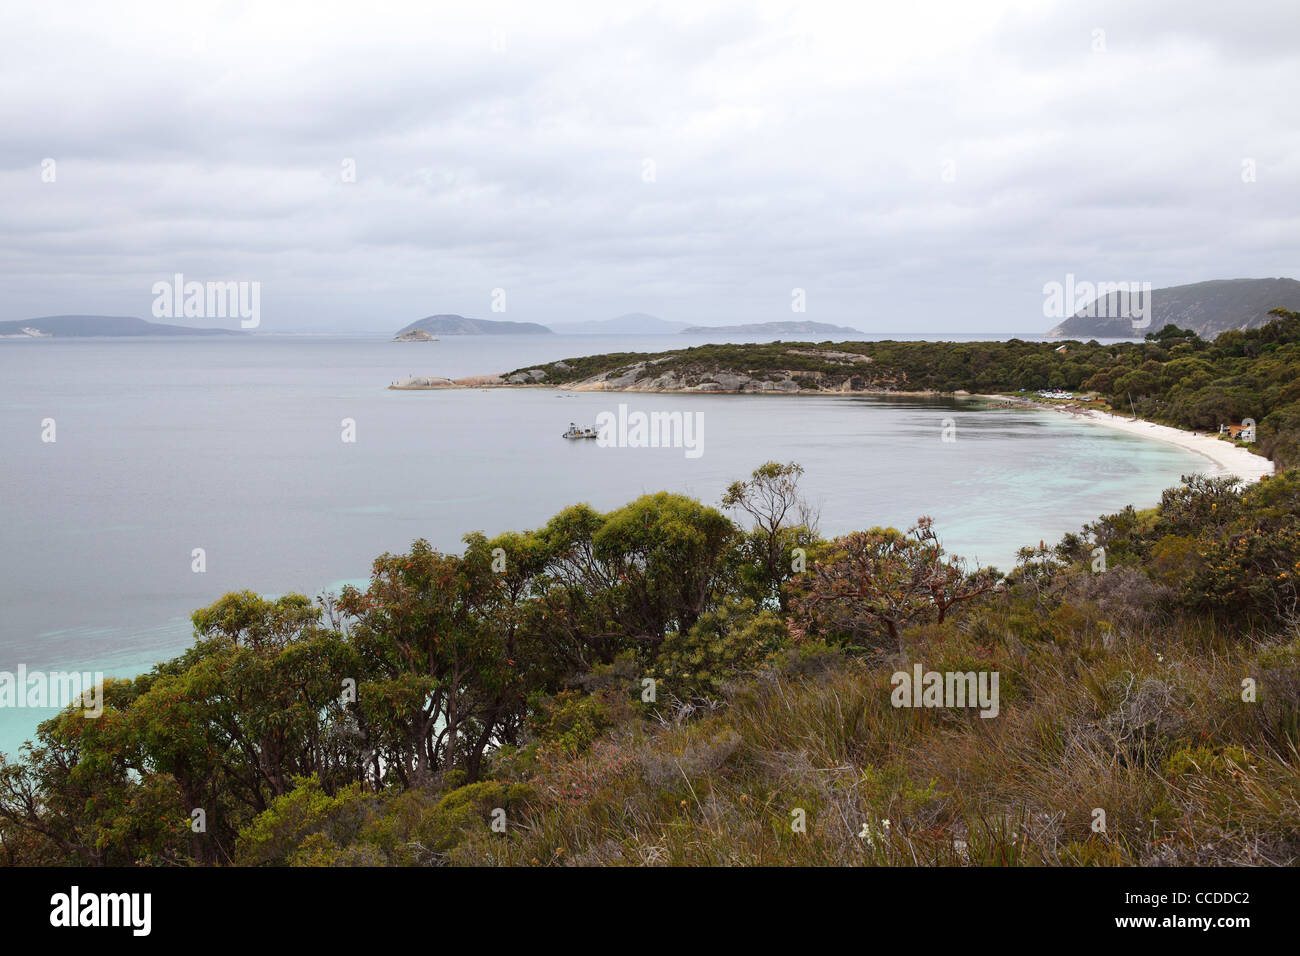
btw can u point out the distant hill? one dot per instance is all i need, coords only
(459, 325)
(65, 326)
(634, 323)
(1207, 308)
(771, 328)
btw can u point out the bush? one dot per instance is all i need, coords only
(731, 639)
(276, 836)
(1215, 761)
(570, 721)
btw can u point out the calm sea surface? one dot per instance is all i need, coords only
(234, 446)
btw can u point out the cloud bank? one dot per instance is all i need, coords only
(917, 167)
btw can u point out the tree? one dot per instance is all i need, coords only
(876, 583)
(626, 578)
(426, 651)
(82, 795)
(246, 710)
(782, 521)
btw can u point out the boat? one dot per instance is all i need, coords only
(576, 432)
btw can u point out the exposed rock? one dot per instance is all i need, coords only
(474, 380)
(731, 382)
(628, 378)
(832, 356)
(419, 382)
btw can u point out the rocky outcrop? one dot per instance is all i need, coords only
(469, 381)
(830, 355)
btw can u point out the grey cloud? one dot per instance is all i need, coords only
(803, 147)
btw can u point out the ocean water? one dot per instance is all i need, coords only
(235, 446)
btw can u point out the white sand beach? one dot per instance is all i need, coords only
(1228, 459)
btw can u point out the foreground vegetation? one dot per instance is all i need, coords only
(656, 685)
(1172, 377)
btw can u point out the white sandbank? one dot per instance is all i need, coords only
(1227, 458)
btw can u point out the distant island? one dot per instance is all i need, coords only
(117, 326)
(416, 335)
(1206, 308)
(770, 328)
(633, 323)
(460, 325)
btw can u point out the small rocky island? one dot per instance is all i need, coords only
(416, 335)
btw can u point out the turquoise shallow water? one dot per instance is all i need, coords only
(234, 446)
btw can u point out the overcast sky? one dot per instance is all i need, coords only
(914, 166)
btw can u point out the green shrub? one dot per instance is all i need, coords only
(721, 643)
(570, 721)
(275, 836)
(1214, 761)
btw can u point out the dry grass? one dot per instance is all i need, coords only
(1147, 725)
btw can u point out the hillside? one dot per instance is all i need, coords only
(460, 325)
(634, 323)
(771, 328)
(1206, 308)
(69, 326)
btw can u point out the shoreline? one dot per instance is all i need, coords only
(1227, 458)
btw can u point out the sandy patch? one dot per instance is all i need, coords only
(1227, 458)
